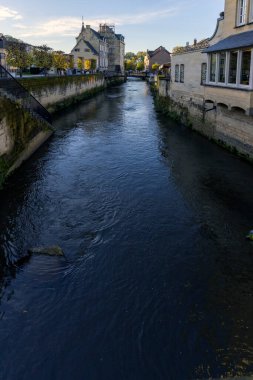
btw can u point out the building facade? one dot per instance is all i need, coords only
(160, 56)
(229, 78)
(103, 50)
(116, 43)
(90, 51)
(213, 79)
(2, 50)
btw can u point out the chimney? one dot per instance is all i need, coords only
(195, 41)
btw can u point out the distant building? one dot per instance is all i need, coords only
(90, 51)
(160, 56)
(2, 50)
(116, 43)
(103, 50)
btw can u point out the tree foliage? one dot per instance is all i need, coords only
(18, 56)
(80, 64)
(155, 67)
(43, 57)
(135, 61)
(59, 60)
(140, 66)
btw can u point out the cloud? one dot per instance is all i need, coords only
(69, 26)
(7, 13)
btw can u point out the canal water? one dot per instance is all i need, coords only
(157, 279)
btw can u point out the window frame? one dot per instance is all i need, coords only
(181, 73)
(241, 12)
(239, 66)
(250, 7)
(177, 73)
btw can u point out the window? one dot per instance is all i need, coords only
(241, 12)
(87, 50)
(251, 11)
(77, 49)
(222, 67)
(232, 67)
(177, 73)
(203, 73)
(212, 67)
(181, 73)
(245, 67)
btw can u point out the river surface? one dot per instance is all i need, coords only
(157, 279)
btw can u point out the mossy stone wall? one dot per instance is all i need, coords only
(230, 130)
(21, 127)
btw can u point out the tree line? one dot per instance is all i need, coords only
(42, 57)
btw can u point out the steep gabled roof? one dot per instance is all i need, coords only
(94, 51)
(151, 53)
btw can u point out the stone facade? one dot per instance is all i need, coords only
(90, 51)
(218, 101)
(160, 56)
(116, 43)
(2, 50)
(105, 49)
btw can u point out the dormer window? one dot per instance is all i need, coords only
(242, 12)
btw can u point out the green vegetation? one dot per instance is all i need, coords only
(42, 57)
(22, 56)
(22, 127)
(18, 56)
(134, 61)
(155, 67)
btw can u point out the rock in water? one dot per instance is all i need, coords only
(250, 235)
(51, 251)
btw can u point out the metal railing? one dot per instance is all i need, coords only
(13, 90)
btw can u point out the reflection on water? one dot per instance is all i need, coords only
(157, 280)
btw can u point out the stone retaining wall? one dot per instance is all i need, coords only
(232, 129)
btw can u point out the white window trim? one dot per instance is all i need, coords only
(250, 10)
(244, 14)
(238, 72)
(209, 68)
(218, 69)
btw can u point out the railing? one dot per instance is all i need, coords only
(12, 89)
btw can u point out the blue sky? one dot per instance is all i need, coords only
(145, 24)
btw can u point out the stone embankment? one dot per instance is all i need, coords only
(231, 129)
(22, 132)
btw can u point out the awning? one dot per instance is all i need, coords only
(236, 41)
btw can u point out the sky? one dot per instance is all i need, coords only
(145, 24)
